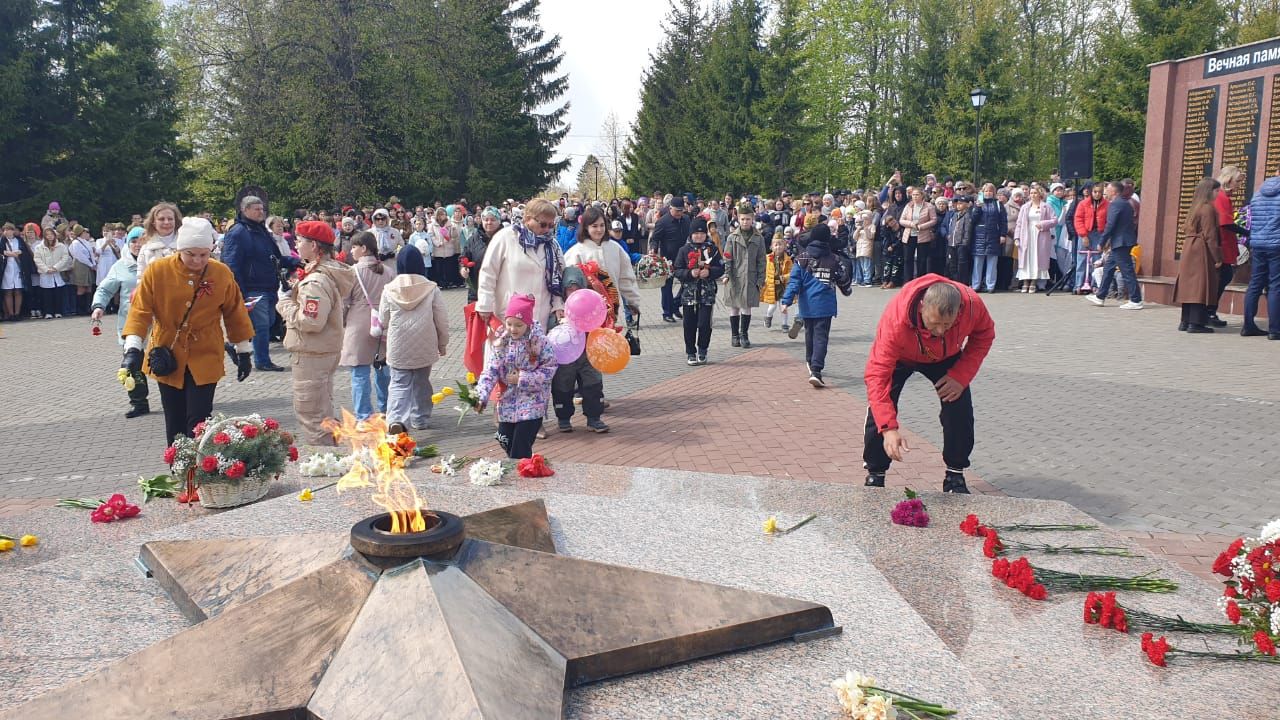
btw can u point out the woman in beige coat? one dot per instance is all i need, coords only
(917, 221)
(364, 348)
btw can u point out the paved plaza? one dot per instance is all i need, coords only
(1167, 437)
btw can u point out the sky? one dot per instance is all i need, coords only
(606, 47)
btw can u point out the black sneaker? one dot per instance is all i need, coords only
(596, 425)
(693, 361)
(702, 359)
(816, 380)
(137, 410)
(565, 426)
(768, 321)
(1215, 321)
(1251, 331)
(874, 480)
(954, 483)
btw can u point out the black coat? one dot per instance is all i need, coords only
(698, 291)
(669, 235)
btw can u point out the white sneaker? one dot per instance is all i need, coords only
(1131, 306)
(1096, 300)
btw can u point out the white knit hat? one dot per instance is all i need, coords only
(195, 234)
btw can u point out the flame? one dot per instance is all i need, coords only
(380, 465)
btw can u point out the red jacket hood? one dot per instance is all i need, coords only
(901, 339)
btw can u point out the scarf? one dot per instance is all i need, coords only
(554, 273)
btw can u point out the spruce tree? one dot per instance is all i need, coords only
(771, 160)
(657, 156)
(25, 80)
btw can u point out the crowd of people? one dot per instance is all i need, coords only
(360, 287)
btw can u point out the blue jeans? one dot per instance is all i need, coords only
(862, 271)
(262, 316)
(1265, 272)
(360, 390)
(1120, 257)
(984, 272)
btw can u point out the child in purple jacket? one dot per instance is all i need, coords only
(521, 368)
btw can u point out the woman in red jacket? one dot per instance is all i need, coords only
(1230, 177)
(1090, 220)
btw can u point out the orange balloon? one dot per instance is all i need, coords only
(607, 351)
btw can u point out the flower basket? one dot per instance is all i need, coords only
(232, 460)
(226, 495)
(652, 271)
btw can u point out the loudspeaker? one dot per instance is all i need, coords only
(1075, 154)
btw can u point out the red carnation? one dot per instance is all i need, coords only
(1264, 643)
(271, 424)
(221, 439)
(1090, 604)
(970, 525)
(199, 428)
(1000, 568)
(992, 546)
(1155, 649)
(170, 454)
(1230, 591)
(1037, 592)
(1233, 612)
(250, 431)
(209, 463)
(236, 470)
(1121, 621)
(694, 258)
(293, 454)
(117, 502)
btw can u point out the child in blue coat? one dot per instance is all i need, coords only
(817, 274)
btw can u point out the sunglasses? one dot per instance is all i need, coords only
(543, 225)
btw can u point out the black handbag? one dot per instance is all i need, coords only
(633, 333)
(161, 359)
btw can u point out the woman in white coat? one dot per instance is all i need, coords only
(524, 259)
(594, 245)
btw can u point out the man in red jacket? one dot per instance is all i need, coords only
(940, 329)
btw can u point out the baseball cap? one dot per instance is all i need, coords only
(616, 225)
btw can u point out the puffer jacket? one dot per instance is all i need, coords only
(533, 358)
(990, 223)
(251, 252)
(777, 273)
(1264, 223)
(415, 322)
(815, 278)
(313, 310)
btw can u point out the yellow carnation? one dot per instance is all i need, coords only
(305, 495)
(437, 398)
(446, 391)
(28, 540)
(129, 383)
(771, 525)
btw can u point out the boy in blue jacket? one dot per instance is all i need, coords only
(814, 279)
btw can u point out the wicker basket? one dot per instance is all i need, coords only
(224, 495)
(653, 283)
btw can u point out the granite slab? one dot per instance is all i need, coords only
(919, 608)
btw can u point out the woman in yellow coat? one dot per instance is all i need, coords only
(188, 284)
(777, 270)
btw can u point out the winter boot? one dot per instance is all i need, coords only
(733, 325)
(874, 479)
(744, 323)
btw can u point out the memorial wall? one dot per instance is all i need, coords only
(1204, 112)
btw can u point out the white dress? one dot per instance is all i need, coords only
(12, 279)
(107, 256)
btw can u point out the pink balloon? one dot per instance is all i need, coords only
(585, 310)
(566, 342)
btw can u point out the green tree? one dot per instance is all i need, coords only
(771, 160)
(25, 79)
(1115, 109)
(594, 179)
(657, 155)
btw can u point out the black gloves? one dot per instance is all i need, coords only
(245, 366)
(132, 360)
(379, 362)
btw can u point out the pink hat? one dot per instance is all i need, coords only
(55, 207)
(521, 306)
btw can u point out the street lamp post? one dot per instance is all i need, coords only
(978, 97)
